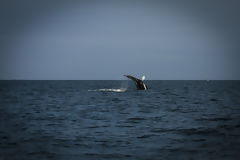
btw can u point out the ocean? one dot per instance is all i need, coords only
(95, 120)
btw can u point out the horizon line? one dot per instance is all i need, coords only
(118, 80)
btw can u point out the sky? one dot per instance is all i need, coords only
(103, 40)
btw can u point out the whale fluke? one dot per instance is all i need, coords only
(139, 83)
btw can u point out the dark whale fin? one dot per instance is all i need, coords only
(133, 78)
(139, 83)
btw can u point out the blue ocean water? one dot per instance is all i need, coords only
(88, 120)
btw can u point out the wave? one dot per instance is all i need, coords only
(109, 90)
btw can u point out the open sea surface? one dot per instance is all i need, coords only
(95, 120)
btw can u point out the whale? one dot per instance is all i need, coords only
(139, 83)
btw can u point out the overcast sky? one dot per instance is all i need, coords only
(165, 40)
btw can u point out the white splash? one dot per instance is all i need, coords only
(109, 90)
(143, 78)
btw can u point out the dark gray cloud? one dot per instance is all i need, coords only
(105, 39)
